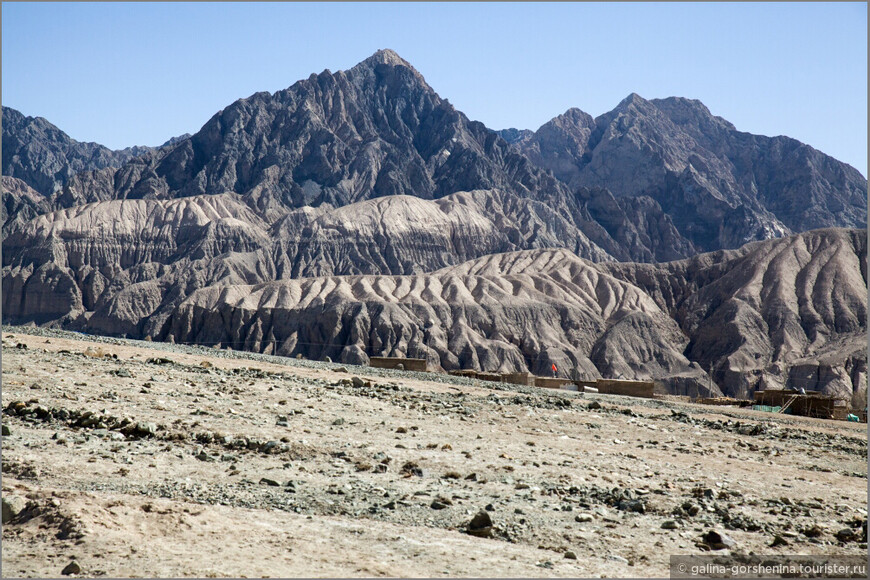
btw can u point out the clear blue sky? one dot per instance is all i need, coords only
(136, 74)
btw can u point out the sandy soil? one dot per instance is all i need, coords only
(229, 467)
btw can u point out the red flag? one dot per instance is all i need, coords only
(554, 367)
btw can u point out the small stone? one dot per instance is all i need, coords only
(471, 477)
(583, 518)
(480, 525)
(690, 508)
(281, 421)
(632, 505)
(778, 541)
(619, 559)
(145, 429)
(437, 505)
(271, 482)
(718, 540)
(339, 421)
(327, 359)
(593, 405)
(846, 535)
(670, 525)
(340, 370)
(12, 506)
(401, 430)
(71, 568)
(412, 468)
(269, 446)
(813, 531)
(570, 555)
(357, 382)
(6, 431)
(400, 367)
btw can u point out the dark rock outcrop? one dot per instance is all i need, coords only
(375, 130)
(20, 202)
(720, 187)
(45, 158)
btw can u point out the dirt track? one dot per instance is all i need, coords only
(382, 478)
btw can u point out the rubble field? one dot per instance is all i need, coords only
(127, 458)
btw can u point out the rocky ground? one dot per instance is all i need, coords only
(126, 458)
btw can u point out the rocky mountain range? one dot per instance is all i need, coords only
(721, 187)
(44, 157)
(358, 213)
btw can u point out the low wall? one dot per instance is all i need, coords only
(409, 364)
(722, 401)
(627, 388)
(551, 382)
(519, 379)
(492, 377)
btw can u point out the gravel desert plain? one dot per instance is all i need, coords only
(127, 458)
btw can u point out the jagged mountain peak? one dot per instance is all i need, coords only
(386, 56)
(684, 111)
(374, 130)
(720, 187)
(572, 117)
(386, 60)
(632, 99)
(43, 156)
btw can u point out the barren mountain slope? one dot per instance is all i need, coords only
(21, 202)
(747, 314)
(721, 187)
(409, 235)
(45, 157)
(502, 322)
(369, 172)
(756, 316)
(376, 129)
(132, 261)
(753, 313)
(62, 264)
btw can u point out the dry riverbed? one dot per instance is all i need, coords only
(127, 458)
